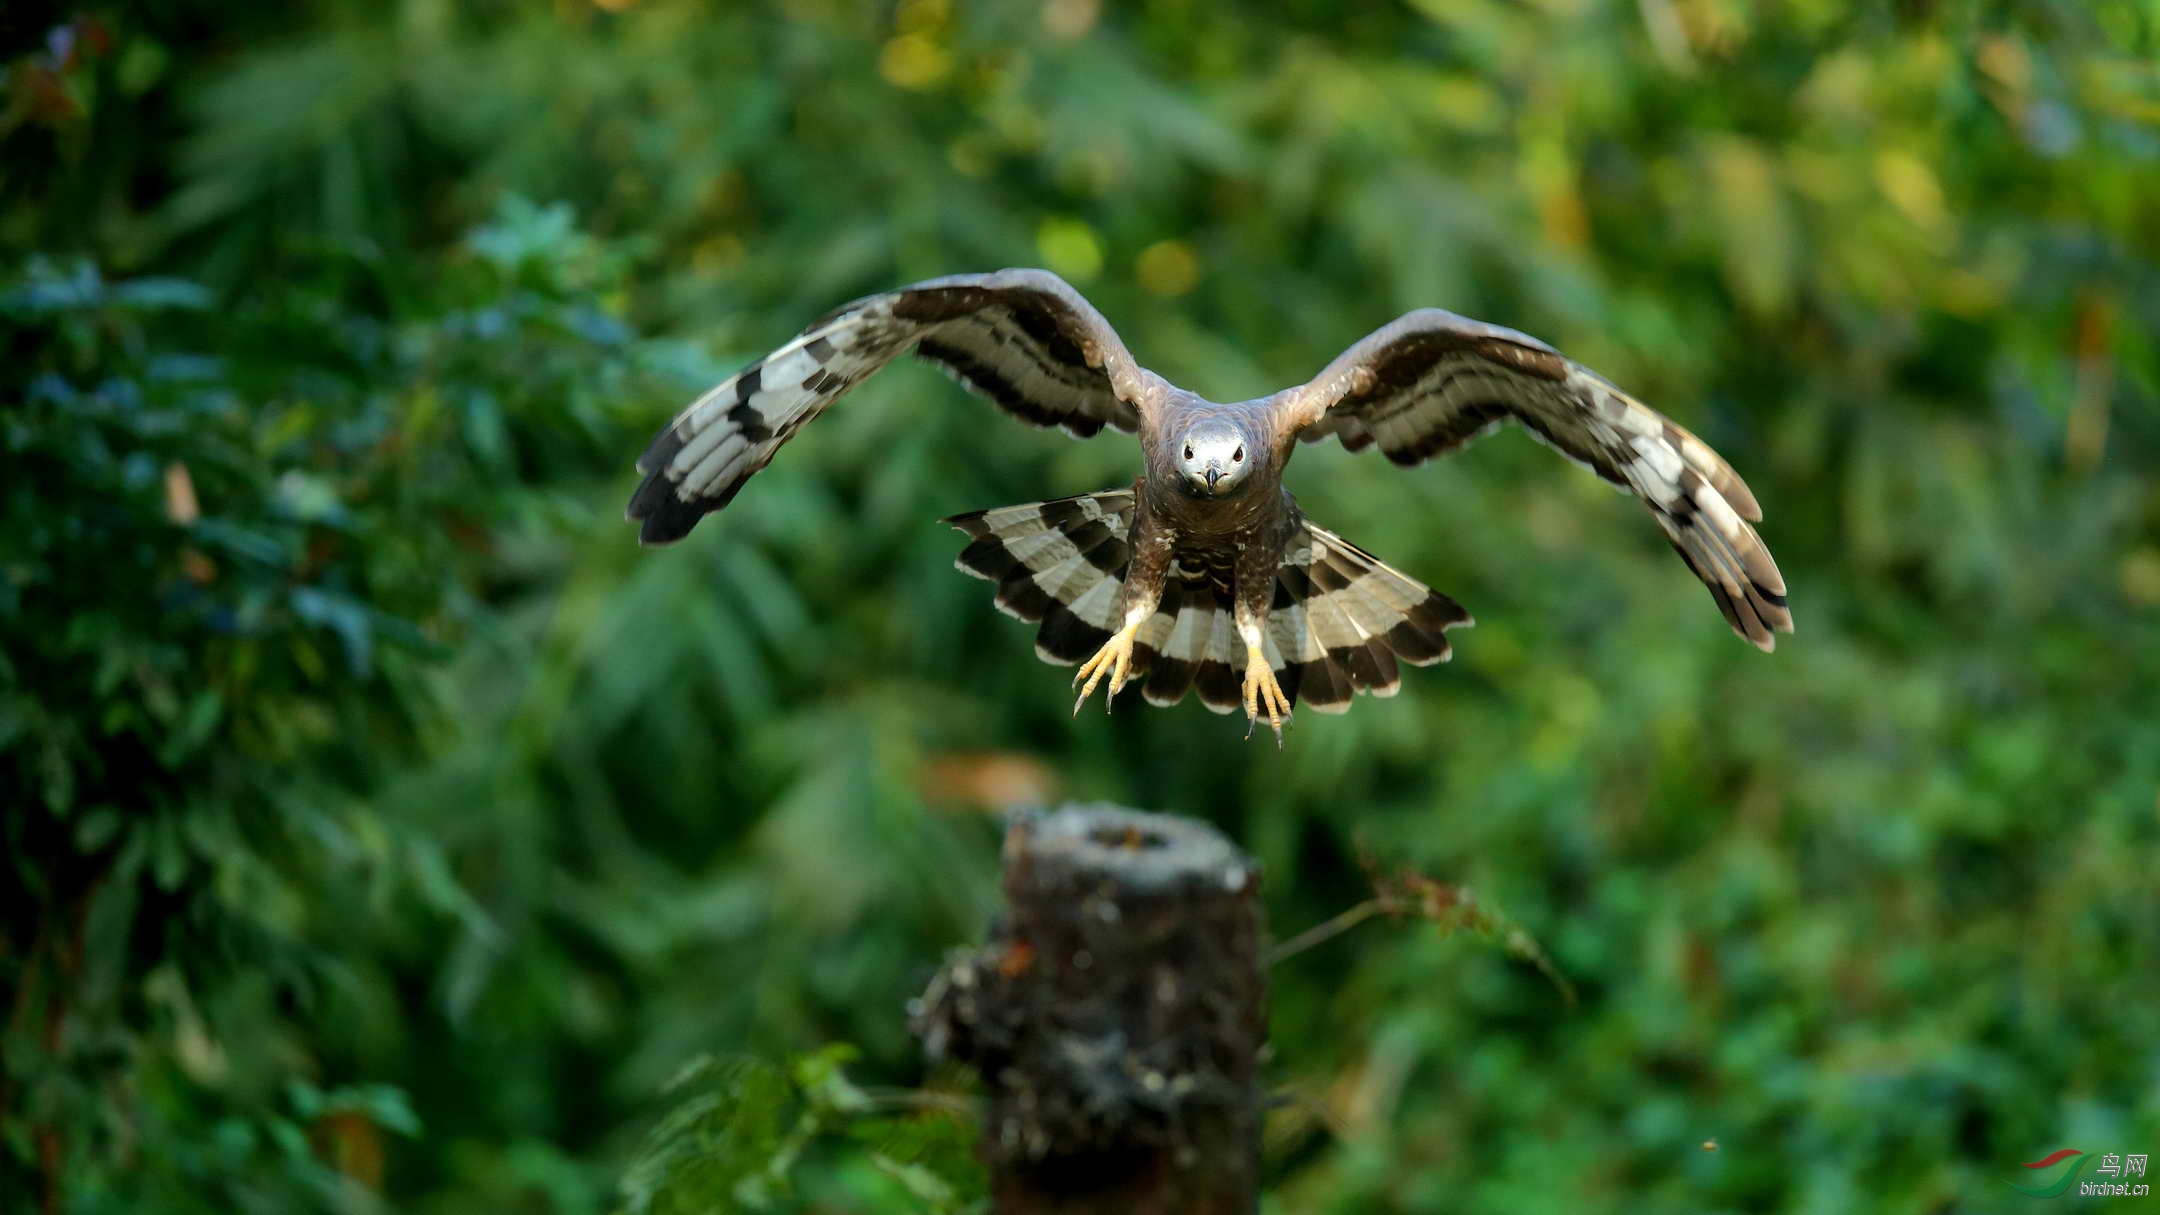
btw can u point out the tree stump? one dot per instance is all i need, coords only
(1116, 1017)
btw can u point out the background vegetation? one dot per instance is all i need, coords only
(384, 830)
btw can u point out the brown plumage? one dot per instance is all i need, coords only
(1204, 575)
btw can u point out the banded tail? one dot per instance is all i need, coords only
(1341, 621)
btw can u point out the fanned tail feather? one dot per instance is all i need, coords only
(1341, 621)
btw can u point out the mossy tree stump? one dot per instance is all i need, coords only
(1116, 1017)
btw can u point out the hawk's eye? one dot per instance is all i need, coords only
(1188, 451)
(1238, 456)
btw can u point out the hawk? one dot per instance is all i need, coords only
(1203, 574)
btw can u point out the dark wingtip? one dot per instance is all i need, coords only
(663, 449)
(665, 518)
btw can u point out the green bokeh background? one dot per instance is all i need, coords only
(383, 833)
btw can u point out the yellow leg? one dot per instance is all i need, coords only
(1113, 659)
(1262, 692)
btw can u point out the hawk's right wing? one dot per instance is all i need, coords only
(1023, 338)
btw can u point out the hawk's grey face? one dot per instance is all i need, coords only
(1214, 458)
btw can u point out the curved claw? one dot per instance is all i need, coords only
(1113, 659)
(1263, 692)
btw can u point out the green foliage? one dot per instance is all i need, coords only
(383, 829)
(748, 1128)
(230, 579)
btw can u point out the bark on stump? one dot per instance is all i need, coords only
(1116, 1016)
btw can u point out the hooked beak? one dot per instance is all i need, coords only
(1213, 475)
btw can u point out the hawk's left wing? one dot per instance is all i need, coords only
(1023, 338)
(1432, 381)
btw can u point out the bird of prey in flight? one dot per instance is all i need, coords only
(1203, 574)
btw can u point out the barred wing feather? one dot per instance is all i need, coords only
(1024, 339)
(1432, 381)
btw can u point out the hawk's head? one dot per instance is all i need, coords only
(1214, 457)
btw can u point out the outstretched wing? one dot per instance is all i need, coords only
(1432, 381)
(1023, 338)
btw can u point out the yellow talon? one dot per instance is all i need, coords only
(1113, 659)
(1263, 692)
